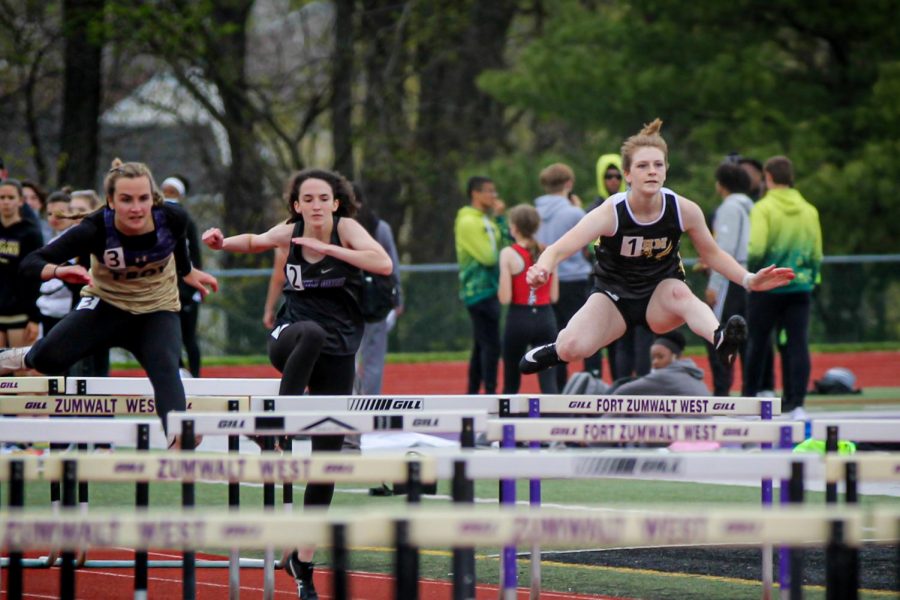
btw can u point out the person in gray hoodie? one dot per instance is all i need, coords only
(731, 229)
(558, 215)
(670, 375)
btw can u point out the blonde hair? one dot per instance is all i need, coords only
(130, 170)
(648, 137)
(527, 220)
(90, 195)
(555, 177)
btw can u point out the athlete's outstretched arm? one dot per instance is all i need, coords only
(599, 222)
(360, 249)
(720, 261)
(249, 243)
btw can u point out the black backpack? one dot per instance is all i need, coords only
(379, 296)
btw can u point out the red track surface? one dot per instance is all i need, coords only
(212, 584)
(872, 369)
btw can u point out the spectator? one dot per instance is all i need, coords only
(478, 241)
(373, 348)
(19, 315)
(754, 170)
(731, 229)
(639, 277)
(558, 216)
(56, 299)
(530, 320)
(671, 374)
(36, 198)
(784, 229)
(630, 354)
(81, 204)
(174, 189)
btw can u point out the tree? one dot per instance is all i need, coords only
(80, 132)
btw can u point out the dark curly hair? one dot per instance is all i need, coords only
(340, 188)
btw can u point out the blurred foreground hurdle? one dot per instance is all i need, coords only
(413, 527)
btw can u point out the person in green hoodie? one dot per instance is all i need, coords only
(784, 230)
(479, 238)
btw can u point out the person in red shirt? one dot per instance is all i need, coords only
(530, 320)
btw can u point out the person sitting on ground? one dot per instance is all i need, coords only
(670, 375)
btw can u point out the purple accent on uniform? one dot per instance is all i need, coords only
(165, 241)
(508, 498)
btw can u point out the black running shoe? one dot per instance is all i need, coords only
(730, 338)
(540, 358)
(302, 572)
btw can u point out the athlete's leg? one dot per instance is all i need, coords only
(90, 327)
(155, 340)
(294, 352)
(594, 326)
(188, 317)
(331, 376)
(673, 304)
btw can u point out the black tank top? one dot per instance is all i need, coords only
(632, 261)
(326, 292)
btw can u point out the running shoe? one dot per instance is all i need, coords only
(540, 358)
(13, 359)
(729, 339)
(302, 572)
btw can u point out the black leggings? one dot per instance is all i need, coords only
(188, 317)
(297, 354)
(527, 326)
(154, 339)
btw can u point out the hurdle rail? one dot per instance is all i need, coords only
(413, 527)
(463, 467)
(96, 395)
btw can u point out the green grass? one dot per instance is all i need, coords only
(435, 563)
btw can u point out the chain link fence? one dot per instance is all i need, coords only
(857, 302)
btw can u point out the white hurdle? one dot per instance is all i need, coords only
(616, 431)
(324, 423)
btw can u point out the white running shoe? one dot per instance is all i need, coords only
(13, 359)
(798, 414)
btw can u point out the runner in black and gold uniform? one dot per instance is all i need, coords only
(639, 278)
(137, 251)
(319, 328)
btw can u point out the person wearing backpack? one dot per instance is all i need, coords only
(530, 320)
(373, 348)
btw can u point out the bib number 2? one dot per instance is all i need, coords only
(294, 276)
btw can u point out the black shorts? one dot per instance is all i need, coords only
(633, 310)
(13, 322)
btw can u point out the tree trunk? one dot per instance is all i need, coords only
(342, 88)
(245, 204)
(79, 137)
(457, 123)
(384, 130)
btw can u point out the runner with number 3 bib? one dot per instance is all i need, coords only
(639, 278)
(136, 250)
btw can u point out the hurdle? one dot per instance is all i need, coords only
(477, 527)
(311, 423)
(616, 431)
(32, 385)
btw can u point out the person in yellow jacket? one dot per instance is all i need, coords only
(784, 230)
(479, 234)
